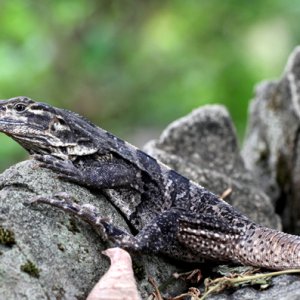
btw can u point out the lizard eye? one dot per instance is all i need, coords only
(19, 107)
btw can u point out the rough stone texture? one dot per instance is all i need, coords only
(203, 146)
(66, 251)
(272, 147)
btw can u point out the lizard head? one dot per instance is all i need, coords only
(43, 129)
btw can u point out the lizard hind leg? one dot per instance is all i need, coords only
(209, 237)
(90, 214)
(158, 236)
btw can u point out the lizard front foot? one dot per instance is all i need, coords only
(64, 168)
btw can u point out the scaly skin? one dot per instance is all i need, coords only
(170, 214)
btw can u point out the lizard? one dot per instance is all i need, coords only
(168, 214)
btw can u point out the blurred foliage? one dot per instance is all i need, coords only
(141, 64)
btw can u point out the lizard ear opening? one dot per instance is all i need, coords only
(58, 124)
(61, 121)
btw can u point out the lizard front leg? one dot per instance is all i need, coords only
(101, 175)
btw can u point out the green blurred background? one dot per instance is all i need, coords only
(134, 66)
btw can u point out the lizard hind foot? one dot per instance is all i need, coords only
(69, 204)
(60, 200)
(90, 214)
(86, 212)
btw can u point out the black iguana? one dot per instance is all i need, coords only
(168, 213)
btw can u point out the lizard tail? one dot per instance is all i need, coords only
(269, 248)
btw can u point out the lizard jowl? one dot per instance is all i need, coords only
(168, 213)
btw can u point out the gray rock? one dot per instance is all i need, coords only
(66, 252)
(203, 147)
(272, 146)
